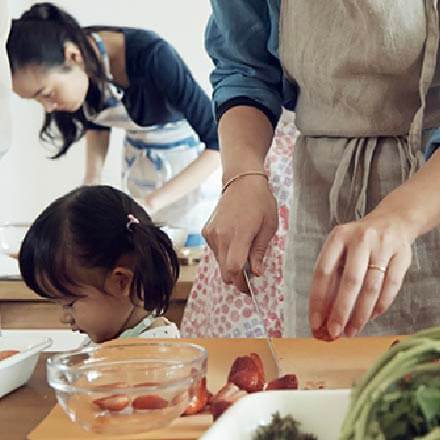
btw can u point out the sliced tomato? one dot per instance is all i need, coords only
(259, 364)
(149, 401)
(4, 354)
(219, 407)
(323, 334)
(248, 380)
(286, 382)
(199, 399)
(115, 402)
(247, 373)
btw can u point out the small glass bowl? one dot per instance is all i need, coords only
(11, 237)
(129, 388)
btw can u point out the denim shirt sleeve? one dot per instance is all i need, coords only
(433, 144)
(242, 40)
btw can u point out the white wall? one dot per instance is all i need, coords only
(28, 180)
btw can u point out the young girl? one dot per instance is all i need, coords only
(97, 254)
(92, 79)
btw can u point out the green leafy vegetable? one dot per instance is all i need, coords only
(281, 428)
(399, 398)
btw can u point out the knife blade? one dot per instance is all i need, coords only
(247, 276)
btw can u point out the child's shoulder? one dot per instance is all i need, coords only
(161, 328)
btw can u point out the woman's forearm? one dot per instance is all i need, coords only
(245, 218)
(245, 135)
(190, 178)
(417, 201)
(97, 143)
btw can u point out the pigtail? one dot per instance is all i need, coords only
(157, 266)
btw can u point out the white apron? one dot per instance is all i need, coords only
(153, 155)
(364, 68)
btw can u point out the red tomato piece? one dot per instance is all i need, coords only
(286, 382)
(4, 354)
(199, 399)
(115, 402)
(149, 401)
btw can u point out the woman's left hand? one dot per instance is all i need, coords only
(358, 274)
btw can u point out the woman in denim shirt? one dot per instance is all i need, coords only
(368, 80)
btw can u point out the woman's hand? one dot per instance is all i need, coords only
(241, 226)
(358, 274)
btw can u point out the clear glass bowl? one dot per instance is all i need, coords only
(127, 389)
(11, 236)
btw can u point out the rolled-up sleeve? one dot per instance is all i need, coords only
(242, 40)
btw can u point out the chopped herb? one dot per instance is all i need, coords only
(281, 428)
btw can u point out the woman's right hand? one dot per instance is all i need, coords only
(240, 228)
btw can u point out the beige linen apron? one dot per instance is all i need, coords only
(364, 68)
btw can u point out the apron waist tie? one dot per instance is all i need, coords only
(355, 166)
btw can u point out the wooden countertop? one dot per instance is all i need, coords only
(337, 364)
(24, 408)
(16, 290)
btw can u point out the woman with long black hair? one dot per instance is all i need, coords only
(91, 79)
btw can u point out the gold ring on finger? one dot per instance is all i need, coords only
(382, 269)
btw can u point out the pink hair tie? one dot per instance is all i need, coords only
(131, 220)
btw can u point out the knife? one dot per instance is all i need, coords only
(247, 276)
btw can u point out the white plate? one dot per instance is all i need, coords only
(62, 340)
(16, 370)
(320, 412)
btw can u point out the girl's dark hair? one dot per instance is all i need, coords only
(38, 37)
(88, 227)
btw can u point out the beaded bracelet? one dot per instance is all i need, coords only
(239, 176)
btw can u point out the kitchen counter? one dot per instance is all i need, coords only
(333, 365)
(20, 308)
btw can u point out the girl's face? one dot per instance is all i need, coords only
(59, 88)
(101, 312)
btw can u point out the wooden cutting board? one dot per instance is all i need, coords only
(221, 354)
(334, 365)
(57, 426)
